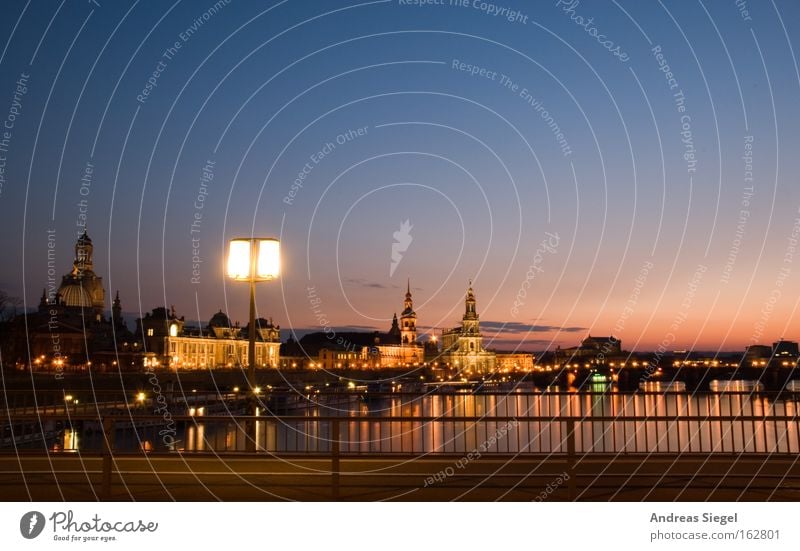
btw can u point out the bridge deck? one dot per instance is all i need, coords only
(246, 477)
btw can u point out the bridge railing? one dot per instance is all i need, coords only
(366, 435)
(567, 439)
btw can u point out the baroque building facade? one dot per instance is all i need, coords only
(81, 287)
(462, 346)
(396, 348)
(71, 332)
(169, 342)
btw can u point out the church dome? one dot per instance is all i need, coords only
(73, 294)
(219, 320)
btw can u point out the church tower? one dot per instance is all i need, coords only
(84, 249)
(470, 339)
(395, 330)
(408, 319)
(116, 311)
(470, 321)
(462, 347)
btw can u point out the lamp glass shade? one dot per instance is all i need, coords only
(268, 265)
(239, 259)
(256, 258)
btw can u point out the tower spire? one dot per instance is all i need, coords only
(116, 310)
(408, 318)
(470, 311)
(82, 265)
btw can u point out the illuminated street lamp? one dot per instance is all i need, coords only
(253, 259)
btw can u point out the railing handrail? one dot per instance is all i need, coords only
(403, 418)
(353, 392)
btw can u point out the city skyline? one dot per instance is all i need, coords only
(561, 175)
(413, 251)
(494, 330)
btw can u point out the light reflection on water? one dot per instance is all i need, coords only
(69, 442)
(594, 432)
(659, 386)
(736, 386)
(366, 436)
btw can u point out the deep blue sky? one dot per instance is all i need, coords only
(259, 89)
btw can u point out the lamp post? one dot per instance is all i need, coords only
(253, 259)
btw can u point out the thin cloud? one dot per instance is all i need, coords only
(301, 331)
(516, 328)
(363, 283)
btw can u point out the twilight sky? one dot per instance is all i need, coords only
(594, 167)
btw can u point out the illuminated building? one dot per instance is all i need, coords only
(69, 331)
(82, 288)
(220, 344)
(399, 347)
(783, 349)
(462, 346)
(757, 353)
(594, 350)
(507, 362)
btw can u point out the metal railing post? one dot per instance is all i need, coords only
(108, 459)
(250, 431)
(571, 482)
(335, 441)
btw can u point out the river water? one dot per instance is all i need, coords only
(602, 423)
